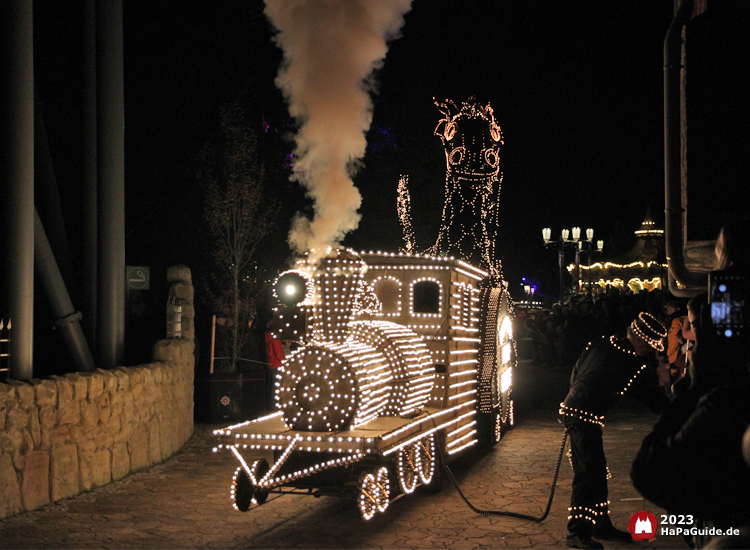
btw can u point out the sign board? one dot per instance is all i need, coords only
(138, 277)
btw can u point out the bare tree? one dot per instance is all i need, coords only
(238, 214)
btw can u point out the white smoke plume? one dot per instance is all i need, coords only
(331, 48)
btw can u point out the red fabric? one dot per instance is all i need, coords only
(274, 351)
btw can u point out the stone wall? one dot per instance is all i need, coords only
(69, 434)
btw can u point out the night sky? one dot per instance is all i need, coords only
(576, 86)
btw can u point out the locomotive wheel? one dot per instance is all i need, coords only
(242, 490)
(244, 493)
(368, 496)
(496, 357)
(259, 469)
(430, 472)
(384, 489)
(408, 464)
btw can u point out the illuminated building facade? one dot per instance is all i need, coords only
(642, 268)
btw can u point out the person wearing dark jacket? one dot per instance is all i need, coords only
(607, 369)
(691, 462)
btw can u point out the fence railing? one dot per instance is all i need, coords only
(4, 349)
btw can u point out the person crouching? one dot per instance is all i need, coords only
(607, 369)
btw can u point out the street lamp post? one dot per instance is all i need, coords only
(570, 238)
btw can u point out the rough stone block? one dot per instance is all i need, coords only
(17, 418)
(35, 427)
(116, 409)
(138, 448)
(47, 421)
(179, 273)
(6, 391)
(65, 390)
(35, 484)
(123, 378)
(11, 441)
(61, 436)
(136, 383)
(10, 494)
(46, 393)
(64, 472)
(188, 312)
(168, 439)
(168, 374)
(69, 413)
(80, 386)
(104, 408)
(183, 291)
(172, 351)
(96, 469)
(120, 461)
(156, 372)
(89, 414)
(154, 442)
(96, 384)
(110, 380)
(25, 392)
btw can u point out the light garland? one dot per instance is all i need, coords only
(368, 355)
(404, 215)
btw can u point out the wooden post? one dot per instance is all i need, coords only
(213, 341)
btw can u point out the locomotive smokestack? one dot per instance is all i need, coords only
(337, 283)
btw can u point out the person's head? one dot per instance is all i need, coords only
(646, 333)
(672, 306)
(732, 244)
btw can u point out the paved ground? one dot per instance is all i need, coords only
(184, 503)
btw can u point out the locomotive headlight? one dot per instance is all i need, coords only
(293, 287)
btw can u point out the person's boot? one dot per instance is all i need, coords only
(579, 540)
(610, 532)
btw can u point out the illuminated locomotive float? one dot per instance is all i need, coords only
(403, 359)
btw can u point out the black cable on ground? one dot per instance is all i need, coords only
(510, 514)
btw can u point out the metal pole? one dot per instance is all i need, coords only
(88, 280)
(561, 260)
(17, 181)
(111, 189)
(213, 342)
(67, 318)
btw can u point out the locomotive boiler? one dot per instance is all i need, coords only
(404, 360)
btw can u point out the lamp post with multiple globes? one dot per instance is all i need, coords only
(572, 239)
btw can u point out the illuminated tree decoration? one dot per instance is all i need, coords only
(472, 139)
(404, 215)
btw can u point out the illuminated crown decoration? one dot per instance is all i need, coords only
(472, 139)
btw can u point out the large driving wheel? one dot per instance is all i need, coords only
(408, 465)
(496, 358)
(429, 465)
(374, 493)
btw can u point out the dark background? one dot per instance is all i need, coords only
(576, 86)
